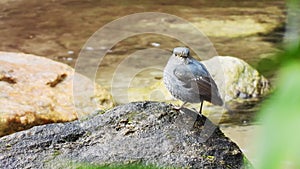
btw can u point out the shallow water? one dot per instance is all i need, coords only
(59, 29)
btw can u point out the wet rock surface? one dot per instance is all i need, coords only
(146, 132)
(36, 90)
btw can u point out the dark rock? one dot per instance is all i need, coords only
(146, 132)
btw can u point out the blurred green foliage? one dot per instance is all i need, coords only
(279, 143)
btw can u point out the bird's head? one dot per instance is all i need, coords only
(181, 52)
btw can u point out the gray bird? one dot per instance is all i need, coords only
(188, 80)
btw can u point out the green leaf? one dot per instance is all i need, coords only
(280, 142)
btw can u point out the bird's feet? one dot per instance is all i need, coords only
(177, 108)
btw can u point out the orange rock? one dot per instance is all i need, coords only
(37, 90)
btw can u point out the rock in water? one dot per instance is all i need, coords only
(36, 90)
(144, 132)
(241, 86)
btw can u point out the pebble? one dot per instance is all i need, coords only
(89, 48)
(155, 44)
(70, 52)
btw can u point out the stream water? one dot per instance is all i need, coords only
(58, 30)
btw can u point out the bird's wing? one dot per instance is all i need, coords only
(208, 89)
(194, 80)
(197, 78)
(182, 73)
(204, 85)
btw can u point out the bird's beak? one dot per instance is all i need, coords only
(183, 55)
